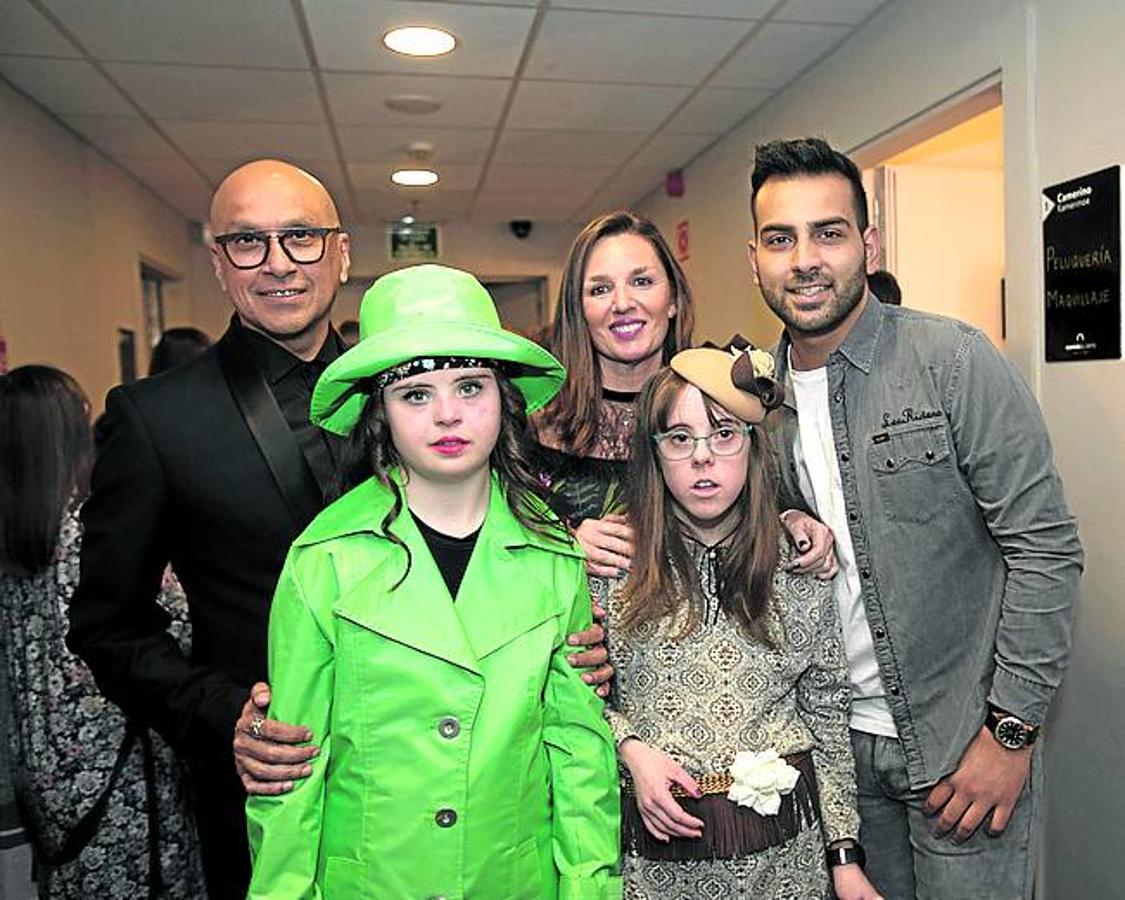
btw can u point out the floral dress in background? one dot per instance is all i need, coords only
(63, 741)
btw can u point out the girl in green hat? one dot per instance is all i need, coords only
(419, 631)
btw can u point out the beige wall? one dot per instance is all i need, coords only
(949, 242)
(1060, 69)
(76, 231)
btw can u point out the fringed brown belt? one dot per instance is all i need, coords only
(730, 831)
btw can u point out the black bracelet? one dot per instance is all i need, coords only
(845, 856)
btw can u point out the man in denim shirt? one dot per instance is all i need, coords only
(920, 445)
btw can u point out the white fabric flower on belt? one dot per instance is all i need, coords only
(760, 778)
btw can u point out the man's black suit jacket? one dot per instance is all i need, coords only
(180, 478)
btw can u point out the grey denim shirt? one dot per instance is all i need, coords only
(969, 559)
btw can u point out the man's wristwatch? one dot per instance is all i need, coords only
(1010, 731)
(846, 854)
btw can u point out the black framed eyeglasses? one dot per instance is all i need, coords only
(250, 249)
(679, 443)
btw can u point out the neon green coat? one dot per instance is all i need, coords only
(461, 756)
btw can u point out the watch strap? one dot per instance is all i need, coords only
(996, 716)
(845, 855)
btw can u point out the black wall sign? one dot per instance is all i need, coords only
(1082, 265)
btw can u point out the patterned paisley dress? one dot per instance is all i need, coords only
(706, 696)
(63, 741)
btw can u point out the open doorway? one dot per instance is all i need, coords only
(939, 205)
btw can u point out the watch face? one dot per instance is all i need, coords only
(1010, 733)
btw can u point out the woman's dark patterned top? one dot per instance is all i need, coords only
(589, 487)
(63, 740)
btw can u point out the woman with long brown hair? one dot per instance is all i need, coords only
(731, 696)
(624, 310)
(101, 798)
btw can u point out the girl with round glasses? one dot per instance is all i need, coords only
(731, 695)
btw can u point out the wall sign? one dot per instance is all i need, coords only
(683, 241)
(416, 242)
(1082, 267)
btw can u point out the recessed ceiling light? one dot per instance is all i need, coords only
(414, 177)
(419, 40)
(413, 104)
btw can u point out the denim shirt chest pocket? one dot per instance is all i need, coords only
(913, 469)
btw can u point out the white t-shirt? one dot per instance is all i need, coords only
(819, 475)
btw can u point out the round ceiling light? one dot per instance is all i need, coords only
(419, 40)
(412, 104)
(414, 177)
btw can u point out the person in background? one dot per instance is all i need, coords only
(730, 700)
(104, 801)
(420, 627)
(176, 347)
(885, 287)
(349, 332)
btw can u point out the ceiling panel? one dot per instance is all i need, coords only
(223, 140)
(123, 136)
(213, 32)
(569, 180)
(556, 105)
(377, 176)
(26, 31)
(842, 12)
(383, 143)
(358, 99)
(496, 206)
(731, 9)
(777, 54)
(595, 46)
(566, 147)
(65, 86)
(221, 93)
(716, 111)
(380, 206)
(348, 35)
(670, 151)
(622, 192)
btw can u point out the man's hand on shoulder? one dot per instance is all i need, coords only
(595, 658)
(989, 780)
(268, 755)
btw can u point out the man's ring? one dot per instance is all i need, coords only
(256, 726)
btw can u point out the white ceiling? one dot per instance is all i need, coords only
(552, 110)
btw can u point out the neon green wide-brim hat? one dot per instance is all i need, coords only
(427, 311)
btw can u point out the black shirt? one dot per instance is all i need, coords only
(291, 381)
(450, 553)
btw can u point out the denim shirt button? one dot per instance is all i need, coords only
(866, 573)
(853, 516)
(890, 463)
(894, 690)
(845, 456)
(838, 396)
(880, 633)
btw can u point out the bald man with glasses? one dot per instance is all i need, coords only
(216, 468)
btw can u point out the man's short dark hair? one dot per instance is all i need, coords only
(806, 156)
